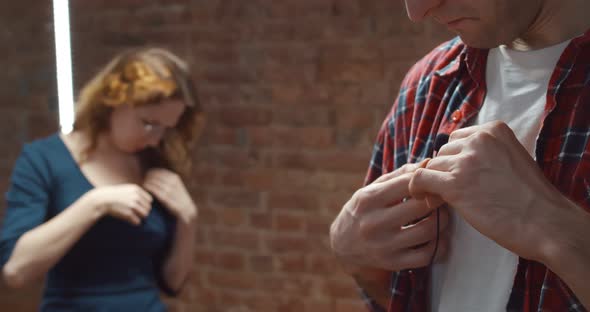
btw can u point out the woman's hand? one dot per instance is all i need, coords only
(128, 202)
(168, 187)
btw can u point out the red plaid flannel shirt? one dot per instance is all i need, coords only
(443, 92)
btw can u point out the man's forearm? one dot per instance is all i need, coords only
(568, 252)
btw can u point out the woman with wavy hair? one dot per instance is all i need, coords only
(103, 212)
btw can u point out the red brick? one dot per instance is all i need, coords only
(260, 137)
(261, 263)
(261, 220)
(229, 74)
(342, 289)
(343, 27)
(344, 70)
(259, 302)
(245, 240)
(291, 263)
(350, 306)
(242, 116)
(158, 17)
(323, 264)
(256, 179)
(219, 135)
(293, 285)
(214, 53)
(234, 157)
(318, 225)
(213, 95)
(229, 297)
(320, 181)
(281, 244)
(287, 73)
(232, 217)
(231, 261)
(318, 244)
(295, 202)
(338, 161)
(354, 118)
(315, 305)
(233, 199)
(207, 215)
(308, 137)
(204, 257)
(232, 280)
(360, 51)
(291, 305)
(306, 8)
(287, 223)
(296, 117)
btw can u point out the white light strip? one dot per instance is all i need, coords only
(63, 60)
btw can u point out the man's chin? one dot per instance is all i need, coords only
(478, 42)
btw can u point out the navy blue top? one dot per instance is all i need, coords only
(115, 266)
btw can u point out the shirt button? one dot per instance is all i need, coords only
(457, 116)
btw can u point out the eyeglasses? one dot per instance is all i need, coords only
(151, 127)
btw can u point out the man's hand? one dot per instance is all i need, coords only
(488, 177)
(378, 229)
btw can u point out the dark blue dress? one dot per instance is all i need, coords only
(114, 267)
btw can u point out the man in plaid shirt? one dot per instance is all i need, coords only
(478, 193)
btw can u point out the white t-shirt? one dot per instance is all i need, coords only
(478, 274)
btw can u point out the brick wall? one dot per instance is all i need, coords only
(294, 91)
(28, 101)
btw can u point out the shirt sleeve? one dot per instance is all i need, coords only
(376, 164)
(374, 171)
(389, 153)
(27, 200)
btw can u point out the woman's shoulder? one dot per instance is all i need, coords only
(43, 142)
(39, 152)
(34, 163)
(42, 147)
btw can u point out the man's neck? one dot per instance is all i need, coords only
(556, 22)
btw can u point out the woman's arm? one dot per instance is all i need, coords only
(178, 263)
(169, 188)
(41, 248)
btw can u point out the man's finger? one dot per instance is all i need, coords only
(429, 182)
(390, 192)
(385, 222)
(423, 231)
(409, 212)
(407, 168)
(463, 133)
(412, 258)
(442, 163)
(380, 195)
(452, 148)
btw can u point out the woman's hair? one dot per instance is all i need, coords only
(144, 77)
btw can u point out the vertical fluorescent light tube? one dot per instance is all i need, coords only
(63, 60)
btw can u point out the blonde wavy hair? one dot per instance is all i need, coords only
(144, 77)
